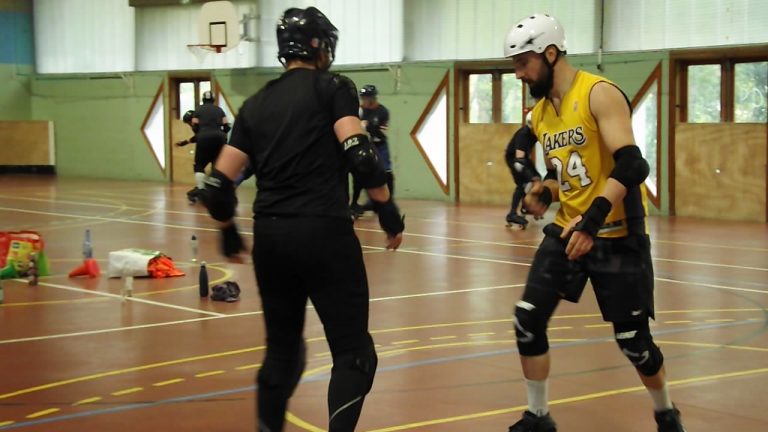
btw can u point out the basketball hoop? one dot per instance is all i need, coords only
(201, 50)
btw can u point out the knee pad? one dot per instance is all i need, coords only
(637, 345)
(362, 362)
(282, 375)
(530, 329)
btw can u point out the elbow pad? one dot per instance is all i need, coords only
(631, 168)
(219, 196)
(195, 127)
(524, 170)
(362, 161)
(226, 127)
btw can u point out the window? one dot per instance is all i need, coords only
(204, 86)
(511, 99)
(646, 121)
(153, 129)
(480, 98)
(430, 134)
(704, 89)
(493, 97)
(750, 92)
(186, 97)
(190, 94)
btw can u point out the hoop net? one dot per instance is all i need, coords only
(201, 51)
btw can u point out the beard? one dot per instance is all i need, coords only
(541, 87)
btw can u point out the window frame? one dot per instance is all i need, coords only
(654, 79)
(496, 97)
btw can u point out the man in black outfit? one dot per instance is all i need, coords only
(302, 136)
(375, 120)
(518, 158)
(210, 125)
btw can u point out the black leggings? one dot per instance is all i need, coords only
(319, 259)
(207, 149)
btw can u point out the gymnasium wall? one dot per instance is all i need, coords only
(406, 101)
(16, 59)
(98, 122)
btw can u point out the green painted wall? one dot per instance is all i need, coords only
(15, 100)
(97, 121)
(406, 102)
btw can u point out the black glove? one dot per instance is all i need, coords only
(594, 217)
(231, 241)
(389, 217)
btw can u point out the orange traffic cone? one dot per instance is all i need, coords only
(89, 268)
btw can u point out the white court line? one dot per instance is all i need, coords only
(186, 321)
(722, 287)
(133, 299)
(246, 232)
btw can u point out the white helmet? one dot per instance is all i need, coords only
(534, 33)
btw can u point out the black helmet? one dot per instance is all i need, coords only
(302, 33)
(187, 118)
(207, 96)
(369, 90)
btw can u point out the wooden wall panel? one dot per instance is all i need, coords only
(182, 157)
(26, 143)
(485, 178)
(720, 171)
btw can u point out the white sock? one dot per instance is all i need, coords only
(537, 397)
(200, 180)
(661, 400)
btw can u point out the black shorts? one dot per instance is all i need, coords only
(620, 269)
(207, 148)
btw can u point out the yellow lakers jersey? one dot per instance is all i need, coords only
(573, 145)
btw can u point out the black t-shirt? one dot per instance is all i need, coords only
(287, 131)
(209, 117)
(376, 118)
(523, 140)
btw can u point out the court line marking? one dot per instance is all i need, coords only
(408, 234)
(168, 382)
(211, 373)
(43, 413)
(133, 299)
(127, 391)
(326, 367)
(87, 401)
(722, 287)
(227, 274)
(579, 398)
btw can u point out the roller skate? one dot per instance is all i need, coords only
(516, 222)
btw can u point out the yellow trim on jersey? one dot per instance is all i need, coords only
(572, 143)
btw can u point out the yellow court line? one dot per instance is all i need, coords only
(562, 401)
(555, 328)
(127, 391)
(87, 401)
(207, 374)
(168, 382)
(678, 322)
(6, 423)
(250, 366)
(43, 413)
(405, 342)
(128, 370)
(720, 320)
(301, 423)
(442, 337)
(481, 334)
(710, 345)
(597, 325)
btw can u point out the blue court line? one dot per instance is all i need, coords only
(325, 376)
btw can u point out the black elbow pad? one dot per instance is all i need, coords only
(226, 127)
(631, 168)
(362, 161)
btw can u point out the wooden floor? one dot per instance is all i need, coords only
(75, 357)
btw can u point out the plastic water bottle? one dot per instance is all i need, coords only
(203, 280)
(32, 273)
(87, 247)
(193, 245)
(128, 286)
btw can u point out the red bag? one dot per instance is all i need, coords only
(18, 245)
